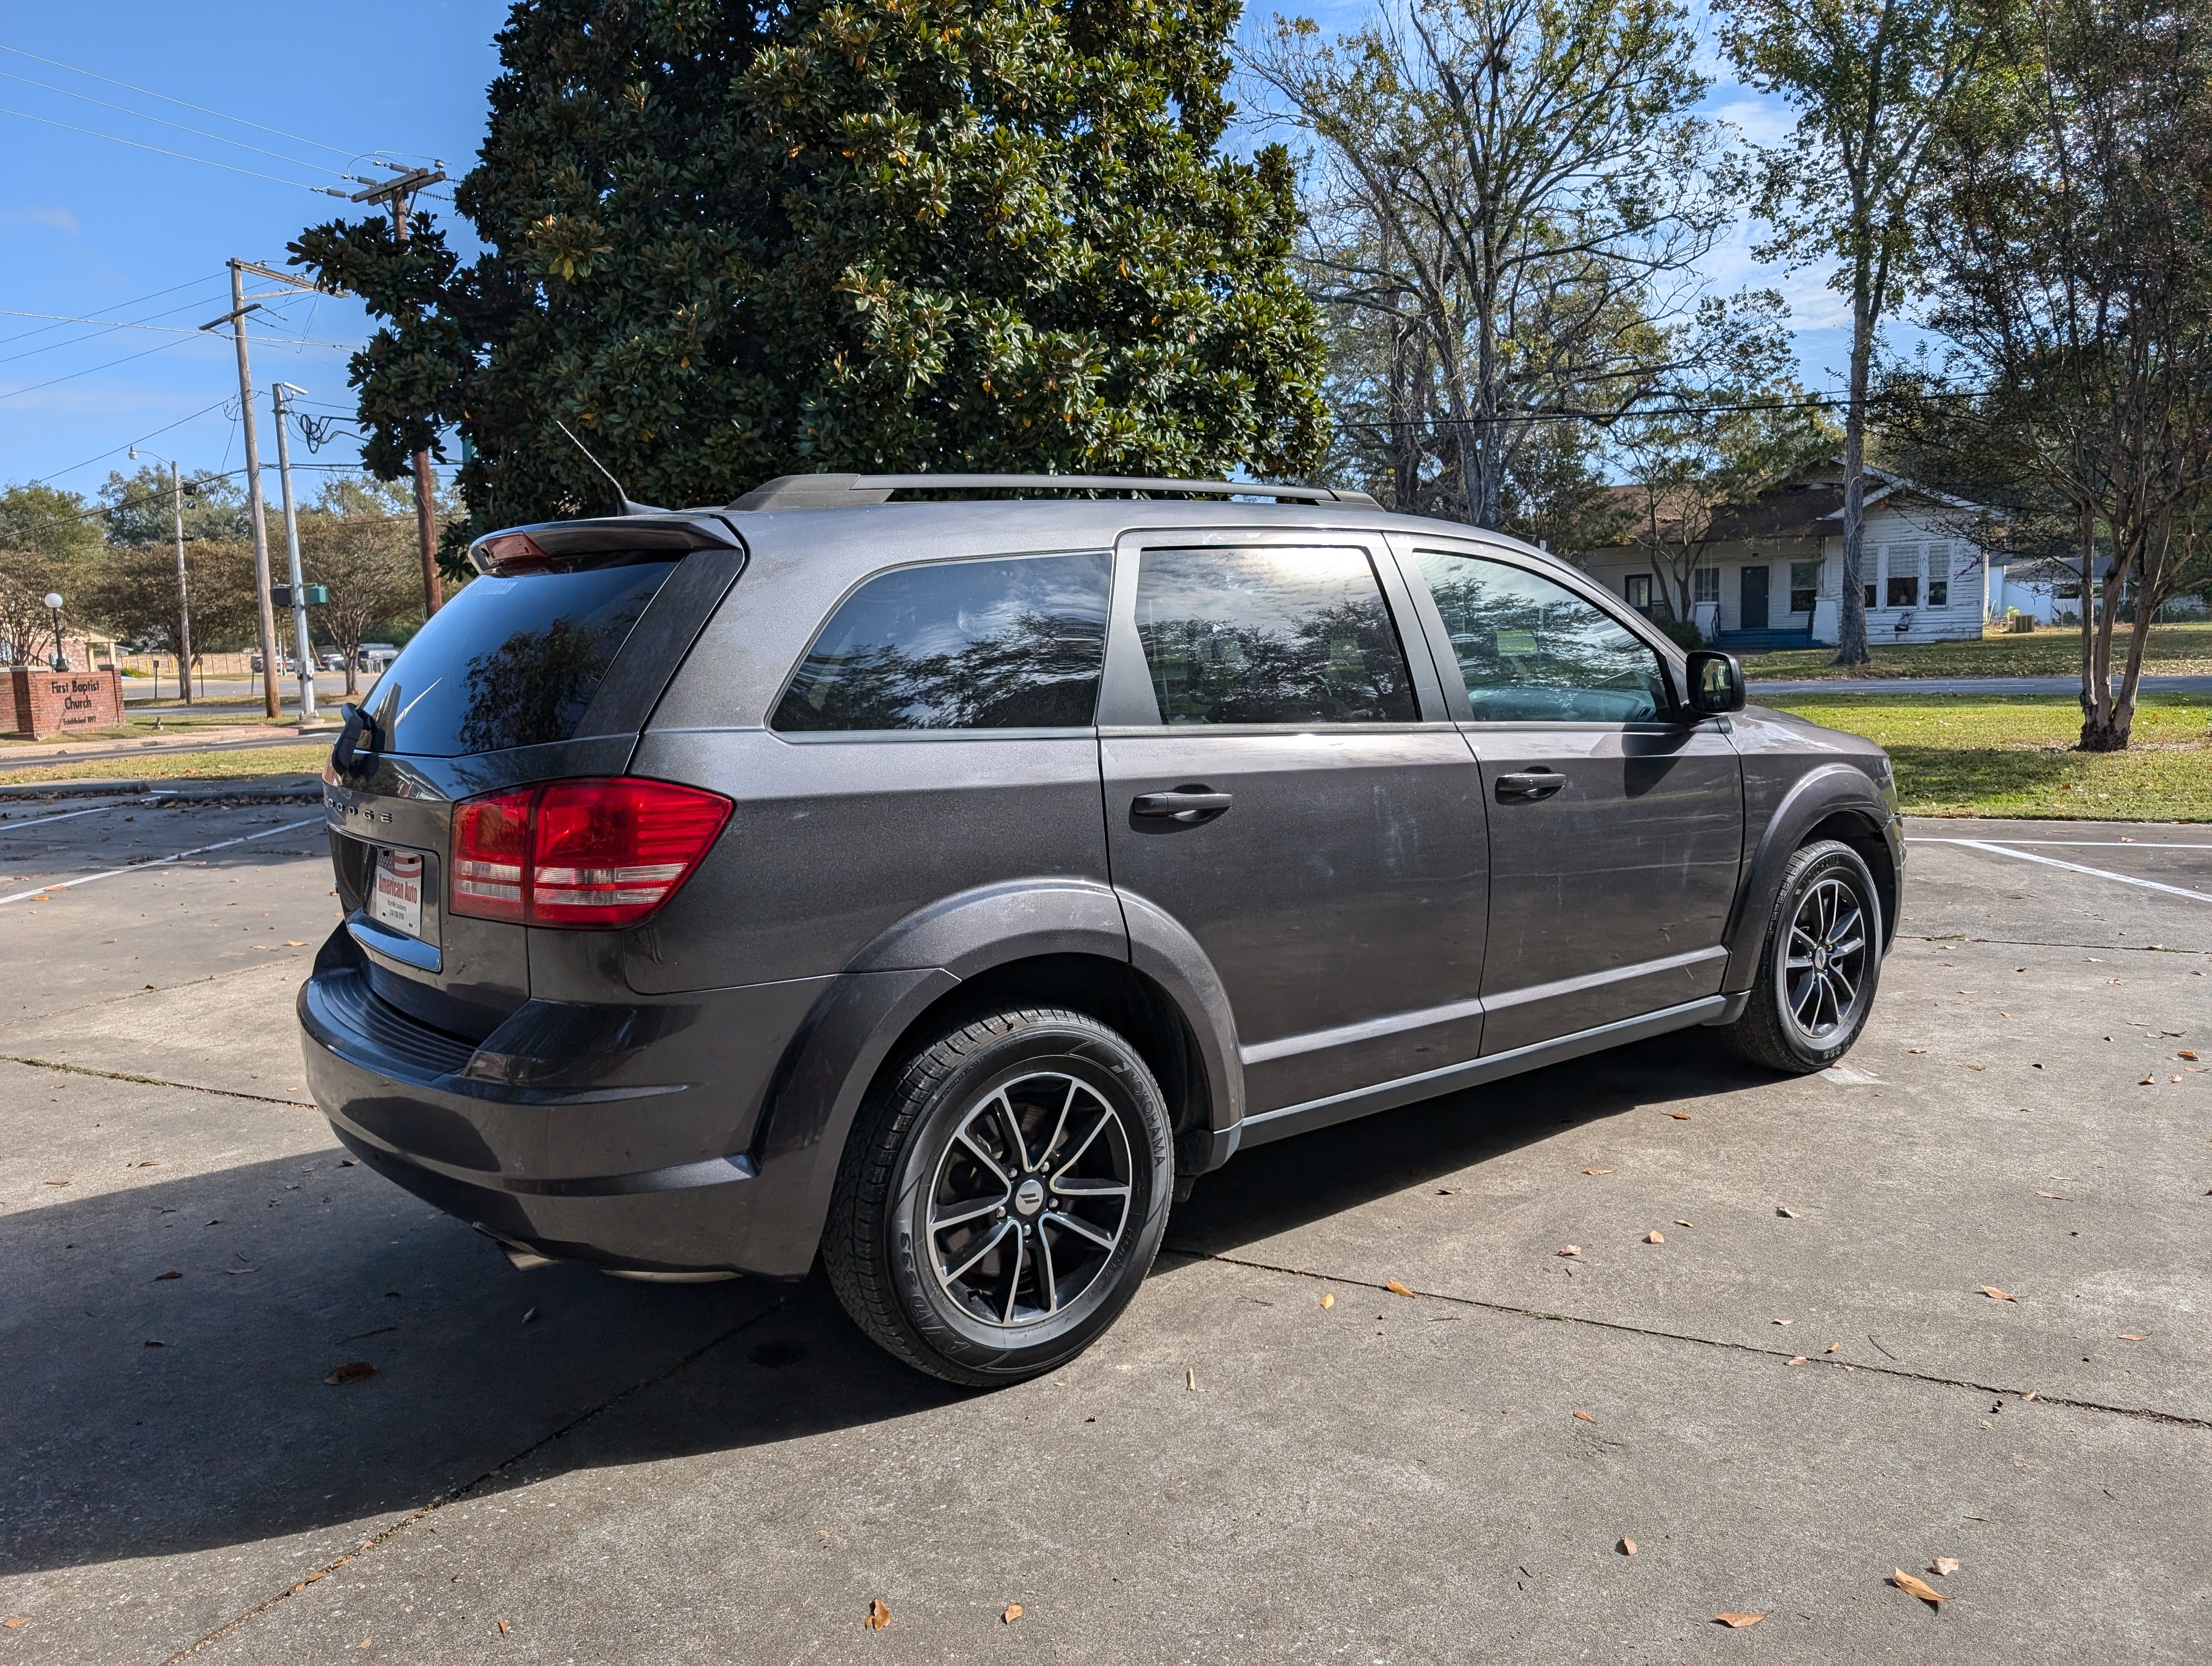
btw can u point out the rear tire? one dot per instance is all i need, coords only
(1819, 965)
(1001, 1197)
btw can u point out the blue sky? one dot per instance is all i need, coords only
(92, 228)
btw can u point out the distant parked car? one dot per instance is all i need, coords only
(375, 656)
(938, 888)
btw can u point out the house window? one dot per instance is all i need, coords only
(1636, 590)
(1939, 593)
(1904, 590)
(1804, 585)
(1869, 596)
(1705, 585)
(2069, 593)
(1939, 570)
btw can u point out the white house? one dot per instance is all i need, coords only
(1770, 573)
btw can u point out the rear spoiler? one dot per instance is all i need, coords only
(564, 546)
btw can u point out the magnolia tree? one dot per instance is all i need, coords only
(726, 243)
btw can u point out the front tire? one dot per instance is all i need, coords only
(1002, 1196)
(1819, 965)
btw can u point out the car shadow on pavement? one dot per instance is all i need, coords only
(485, 1378)
(1276, 1188)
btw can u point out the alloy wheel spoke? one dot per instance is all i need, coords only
(1066, 1188)
(1014, 1279)
(1011, 1125)
(1060, 1125)
(985, 1159)
(982, 1248)
(1097, 1126)
(1807, 1003)
(1047, 1280)
(972, 1210)
(1081, 1228)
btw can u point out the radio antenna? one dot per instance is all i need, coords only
(620, 496)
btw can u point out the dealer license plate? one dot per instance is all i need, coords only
(395, 900)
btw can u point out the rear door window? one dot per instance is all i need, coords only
(1008, 644)
(1530, 650)
(512, 661)
(1270, 636)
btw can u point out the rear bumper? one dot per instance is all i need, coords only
(620, 1136)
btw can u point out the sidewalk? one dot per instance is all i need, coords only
(1761, 687)
(213, 738)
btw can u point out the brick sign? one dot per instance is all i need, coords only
(44, 703)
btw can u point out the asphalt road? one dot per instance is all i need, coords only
(1804, 1387)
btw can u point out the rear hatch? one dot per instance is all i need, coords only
(544, 668)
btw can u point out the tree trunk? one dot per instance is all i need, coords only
(1850, 617)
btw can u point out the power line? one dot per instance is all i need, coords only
(120, 306)
(197, 133)
(119, 324)
(18, 392)
(128, 444)
(202, 109)
(250, 173)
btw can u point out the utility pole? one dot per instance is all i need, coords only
(399, 194)
(276, 392)
(265, 615)
(183, 585)
(265, 612)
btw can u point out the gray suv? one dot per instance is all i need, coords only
(938, 873)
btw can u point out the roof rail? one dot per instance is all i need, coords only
(842, 491)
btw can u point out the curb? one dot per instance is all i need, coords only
(283, 789)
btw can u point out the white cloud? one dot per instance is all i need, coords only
(57, 218)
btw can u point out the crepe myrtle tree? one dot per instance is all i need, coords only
(723, 243)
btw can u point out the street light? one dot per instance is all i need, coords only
(184, 596)
(54, 607)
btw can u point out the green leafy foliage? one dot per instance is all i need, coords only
(725, 244)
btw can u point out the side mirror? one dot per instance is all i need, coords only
(1716, 684)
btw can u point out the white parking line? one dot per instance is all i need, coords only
(2102, 844)
(97, 810)
(159, 861)
(2076, 868)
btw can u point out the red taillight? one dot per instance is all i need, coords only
(588, 854)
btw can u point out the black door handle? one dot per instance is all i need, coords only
(1187, 805)
(1530, 786)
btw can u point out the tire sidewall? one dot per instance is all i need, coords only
(1822, 862)
(1109, 1066)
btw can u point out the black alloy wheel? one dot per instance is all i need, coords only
(1819, 965)
(1000, 1202)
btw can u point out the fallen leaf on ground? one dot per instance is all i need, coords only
(503, 1629)
(2061, 1198)
(1572, 1249)
(17, 1623)
(345, 1163)
(1597, 1171)
(1787, 1214)
(153, 1344)
(879, 1614)
(1833, 1348)
(1190, 1381)
(1914, 1587)
(1447, 1191)
(1785, 1322)
(1681, 1223)
(1679, 1115)
(1628, 1546)
(2187, 1054)
(1916, 1049)
(1013, 1612)
(241, 1269)
(1738, 1621)
(1585, 1417)
(1655, 1238)
(1327, 1300)
(2147, 1081)
(295, 943)
(2133, 1335)
(2030, 1394)
(171, 1273)
(1944, 1564)
(353, 1371)
(1971, 1066)
(1397, 1289)
(1995, 1294)
(57, 1182)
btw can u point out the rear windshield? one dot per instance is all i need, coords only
(512, 661)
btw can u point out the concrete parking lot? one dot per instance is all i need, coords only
(1950, 1300)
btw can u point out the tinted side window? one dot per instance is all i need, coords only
(1270, 636)
(1533, 651)
(1011, 644)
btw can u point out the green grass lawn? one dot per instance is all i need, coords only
(2174, 650)
(307, 758)
(1969, 755)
